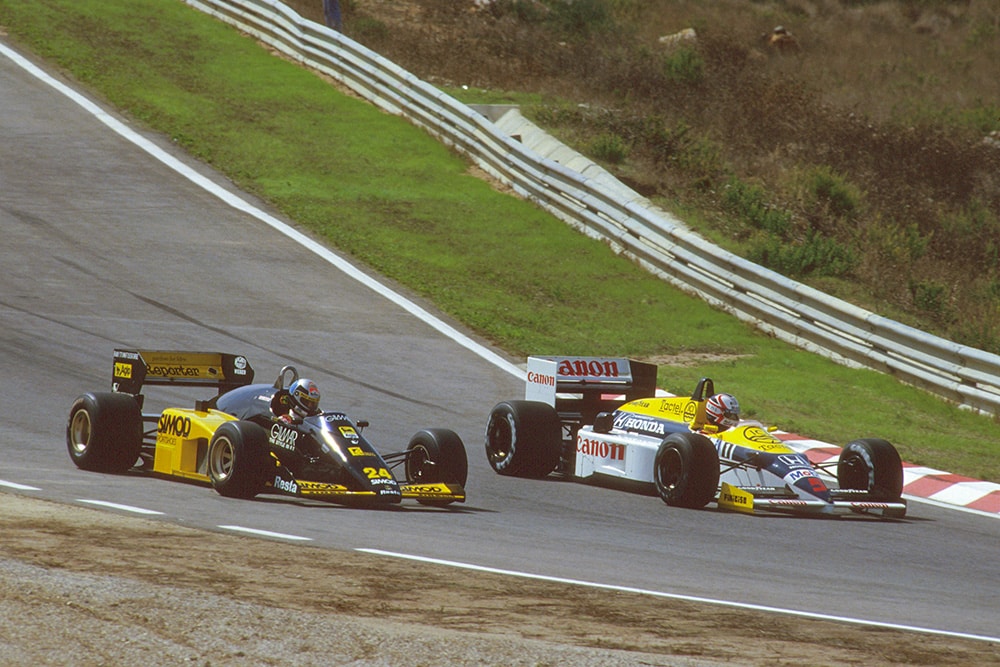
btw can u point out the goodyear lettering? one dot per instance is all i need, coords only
(174, 371)
(587, 368)
(600, 449)
(542, 379)
(283, 437)
(285, 485)
(121, 354)
(630, 423)
(174, 425)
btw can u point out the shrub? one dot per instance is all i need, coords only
(815, 256)
(580, 17)
(662, 142)
(931, 297)
(684, 66)
(364, 28)
(832, 192)
(887, 243)
(702, 160)
(749, 203)
(971, 236)
(610, 148)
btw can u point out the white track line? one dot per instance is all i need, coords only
(685, 598)
(19, 487)
(267, 533)
(117, 506)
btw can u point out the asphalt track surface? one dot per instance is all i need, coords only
(104, 246)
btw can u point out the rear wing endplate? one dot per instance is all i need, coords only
(135, 368)
(588, 385)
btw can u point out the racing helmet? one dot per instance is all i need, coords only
(305, 396)
(723, 410)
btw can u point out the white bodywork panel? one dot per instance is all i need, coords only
(541, 381)
(631, 456)
(617, 454)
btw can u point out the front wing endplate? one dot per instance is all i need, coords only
(434, 491)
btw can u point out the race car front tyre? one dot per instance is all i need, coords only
(523, 438)
(874, 466)
(104, 432)
(237, 459)
(436, 455)
(686, 470)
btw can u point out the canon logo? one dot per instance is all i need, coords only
(600, 449)
(542, 379)
(588, 368)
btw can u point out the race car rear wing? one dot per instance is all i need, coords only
(581, 387)
(135, 368)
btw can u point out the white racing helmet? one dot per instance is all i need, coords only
(723, 410)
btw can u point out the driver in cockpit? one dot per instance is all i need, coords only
(722, 411)
(304, 399)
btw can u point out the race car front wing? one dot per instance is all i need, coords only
(772, 499)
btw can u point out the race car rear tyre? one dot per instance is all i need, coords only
(237, 459)
(104, 432)
(686, 470)
(523, 438)
(871, 465)
(436, 455)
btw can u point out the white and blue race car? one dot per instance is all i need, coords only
(602, 419)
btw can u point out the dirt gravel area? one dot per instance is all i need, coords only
(83, 587)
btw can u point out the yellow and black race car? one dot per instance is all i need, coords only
(243, 441)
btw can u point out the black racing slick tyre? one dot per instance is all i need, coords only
(436, 455)
(523, 438)
(686, 470)
(874, 466)
(104, 432)
(237, 459)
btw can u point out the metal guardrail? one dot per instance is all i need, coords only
(786, 309)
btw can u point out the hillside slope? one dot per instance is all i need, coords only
(863, 160)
